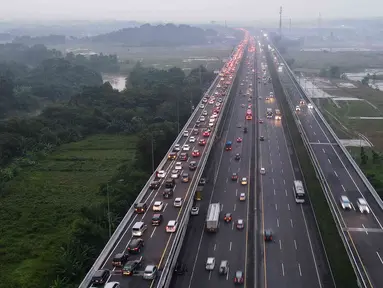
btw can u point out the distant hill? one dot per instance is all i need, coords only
(161, 35)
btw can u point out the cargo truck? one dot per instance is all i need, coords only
(212, 218)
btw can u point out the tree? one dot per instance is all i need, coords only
(375, 157)
(363, 156)
(334, 72)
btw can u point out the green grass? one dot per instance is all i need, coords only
(40, 204)
(342, 270)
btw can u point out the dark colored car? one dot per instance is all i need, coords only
(237, 156)
(180, 268)
(262, 138)
(245, 130)
(184, 156)
(135, 245)
(168, 193)
(156, 219)
(228, 217)
(268, 235)
(100, 277)
(155, 185)
(202, 142)
(192, 165)
(130, 267)
(140, 208)
(170, 183)
(234, 176)
(202, 181)
(120, 259)
(172, 156)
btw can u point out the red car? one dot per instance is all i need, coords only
(196, 153)
(261, 121)
(238, 278)
(234, 177)
(202, 142)
(227, 217)
(239, 140)
(206, 134)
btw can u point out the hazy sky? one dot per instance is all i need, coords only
(186, 11)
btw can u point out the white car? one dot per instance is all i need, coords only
(345, 202)
(175, 174)
(201, 106)
(186, 147)
(297, 108)
(204, 100)
(217, 104)
(215, 115)
(158, 205)
(177, 147)
(172, 226)
(310, 106)
(242, 197)
(211, 101)
(202, 118)
(161, 174)
(186, 133)
(192, 139)
(211, 124)
(178, 166)
(363, 206)
(210, 263)
(204, 113)
(177, 202)
(194, 211)
(262, 171)
(271, 94)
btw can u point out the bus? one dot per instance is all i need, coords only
(278, 115)
(249, 114)
(269, 113)
(299, 192)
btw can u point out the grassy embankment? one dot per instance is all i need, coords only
(43, 201)
(342, 270)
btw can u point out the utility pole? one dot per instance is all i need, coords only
(280, 21)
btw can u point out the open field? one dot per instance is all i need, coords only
(348, 61)
(41, 203)
(184, 57)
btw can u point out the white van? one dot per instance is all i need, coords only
(138, 229)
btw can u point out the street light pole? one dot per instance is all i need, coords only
(109, 223)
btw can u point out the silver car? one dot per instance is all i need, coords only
(363, 206)
(150, 272)
(345, 203)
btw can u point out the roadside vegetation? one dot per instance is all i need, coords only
(340, 265)
(60, 168)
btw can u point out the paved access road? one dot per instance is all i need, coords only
(228, 243)
(157, 240)
(364, 230)
(295, 257)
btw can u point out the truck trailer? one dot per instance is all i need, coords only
(212, 218)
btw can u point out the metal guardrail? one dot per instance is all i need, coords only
(121, 227)
(177, 243)
(344, 150)
(339, 222)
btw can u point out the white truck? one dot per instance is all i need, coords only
(212, 218)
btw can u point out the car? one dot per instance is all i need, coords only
(297, 108)
(172, 156)
(204, 113)
(249, 106)
(271, 94)
(202, 119)
(262, 171)
(261, 138)
(243, 105)
(180, 268)
(224, 267)
(131, 266)
(112, 284)
(210, 263)
(204, 100)
(185, 177)
(227, 218)
(150, 272)
(175, 174)
(177, 202)
(211, 101)
(239, 140)
(135, 245)
(202, 182)
(267, 98)
(206, 133)
(155, 185)
(238, 278)
(194, 210)
(220, 100)
(195, 132)
(249, 99)
(245, 130)
(178, 166)
(260, 121)
(156, 219)
(242, 197)
(140, 208)
(234, 177)
(345, 203)
(172, 226)
(240, 224)
(177, 148)
(100, 277)
(158, 206)
(244, 181)
(168, 193)
(183, 156)
(217, 104)
(239, 125)
(202, 142)
(268, 235)
(196, 153)
(310, 106)
(186, 147)
(211, 124)
(161, 174)
(201, 106)
(192, 139)
(237, 156)
(192, 165)
(120, 259)
(186, 133)
(363, 206)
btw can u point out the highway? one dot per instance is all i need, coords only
(228, 243)
(295, 257)
(364, 230)
(157, 240)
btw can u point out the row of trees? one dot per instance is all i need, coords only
(149, 108)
